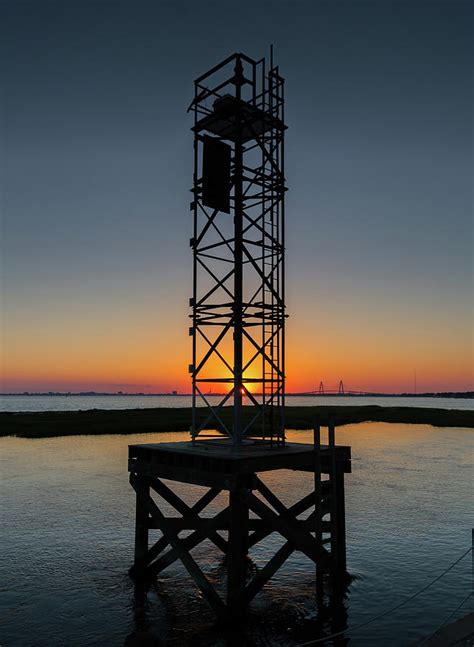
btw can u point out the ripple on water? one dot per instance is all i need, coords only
(68, 510)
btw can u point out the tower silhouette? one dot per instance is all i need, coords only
(238, 305)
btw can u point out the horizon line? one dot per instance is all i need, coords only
(329, 393)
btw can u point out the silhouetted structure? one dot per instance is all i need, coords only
(238, 306)
(219, 467)
(238, 317)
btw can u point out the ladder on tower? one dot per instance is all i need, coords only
(272, 381)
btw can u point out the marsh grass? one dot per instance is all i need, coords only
(139, 421)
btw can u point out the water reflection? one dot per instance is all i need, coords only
(144, 633)
(67, 513)
(286, 619)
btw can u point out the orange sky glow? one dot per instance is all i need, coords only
(97, 164)
(149, 359)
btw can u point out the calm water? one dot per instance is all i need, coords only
(78, 402)
(67, 511)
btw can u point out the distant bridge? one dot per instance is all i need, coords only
(339, 391)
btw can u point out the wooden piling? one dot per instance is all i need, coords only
(141, 531)
(318, 519)
(237, 548)
(340, 565)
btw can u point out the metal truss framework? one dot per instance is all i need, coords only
(238, 304)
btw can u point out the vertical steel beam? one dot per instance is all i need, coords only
(193, 330)
(238, 260)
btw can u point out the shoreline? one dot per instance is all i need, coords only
(161, 420)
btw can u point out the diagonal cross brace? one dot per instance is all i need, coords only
(162, 543)
(268, 571)
(296, 509)
(299, 537)
(181, 550)
(188, 543)
(183, 508)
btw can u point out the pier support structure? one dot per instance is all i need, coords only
(313, 525)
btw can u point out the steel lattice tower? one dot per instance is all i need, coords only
(238, 302)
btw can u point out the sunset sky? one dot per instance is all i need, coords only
(96, 164)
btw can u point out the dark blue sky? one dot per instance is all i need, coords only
(96, 169)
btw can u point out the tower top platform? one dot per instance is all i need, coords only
(223, 121)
